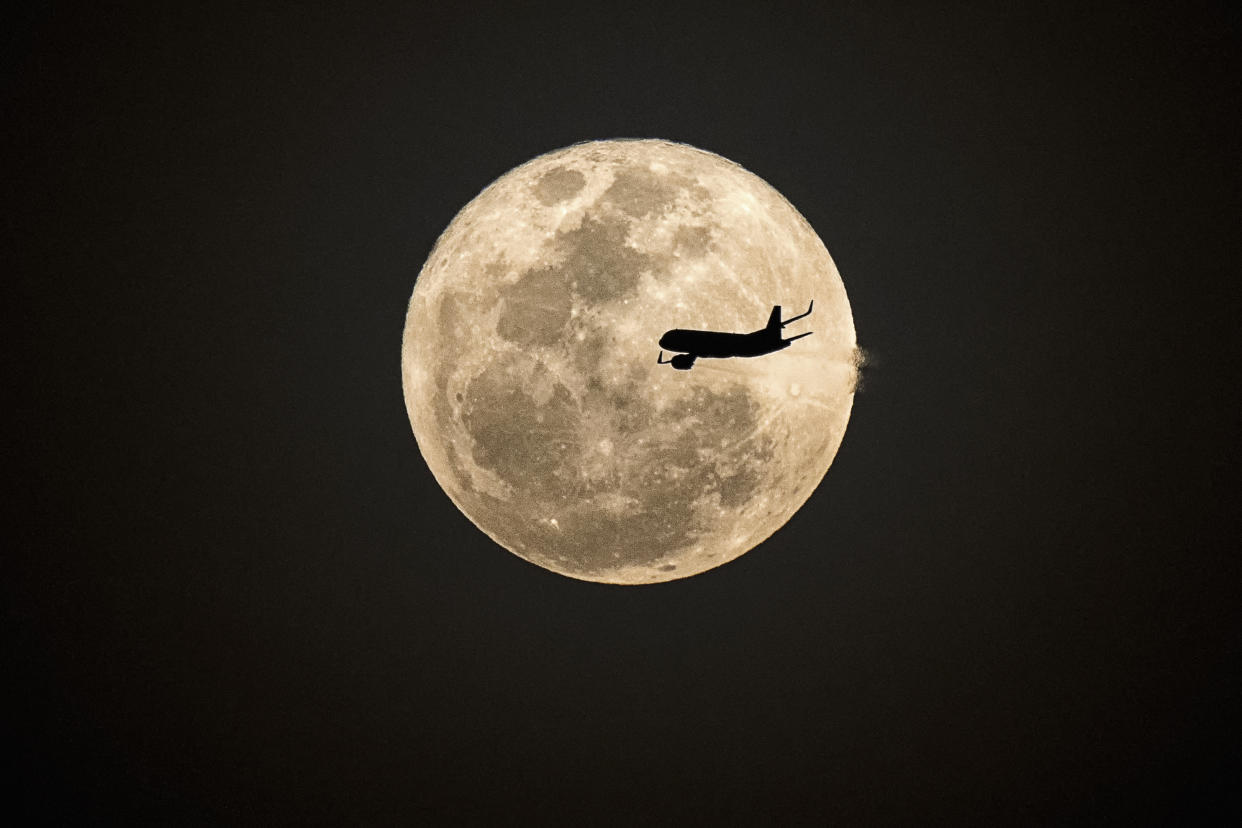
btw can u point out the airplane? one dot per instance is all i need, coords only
(716, 345)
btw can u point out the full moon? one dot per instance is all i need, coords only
(529, 361)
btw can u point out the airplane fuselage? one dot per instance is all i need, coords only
(717, 345)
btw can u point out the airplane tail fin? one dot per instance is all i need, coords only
(774, 321)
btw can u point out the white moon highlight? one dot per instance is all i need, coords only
(529, 361)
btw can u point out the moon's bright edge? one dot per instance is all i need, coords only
(529, 361)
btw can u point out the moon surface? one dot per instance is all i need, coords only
(529, 361)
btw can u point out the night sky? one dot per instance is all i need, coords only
(234, 593)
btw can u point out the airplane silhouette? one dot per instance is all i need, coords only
(717, 345)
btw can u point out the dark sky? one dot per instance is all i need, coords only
(234, 593)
